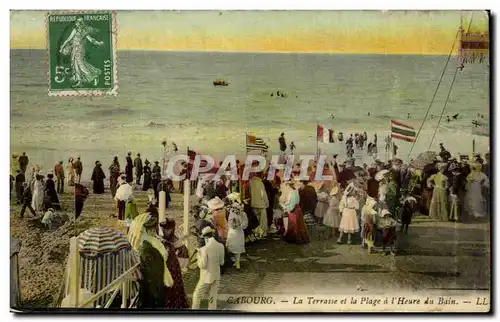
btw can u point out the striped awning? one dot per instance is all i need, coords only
(97, 241)
(402, 131)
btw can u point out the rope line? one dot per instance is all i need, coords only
(435, 92)
(444, 108)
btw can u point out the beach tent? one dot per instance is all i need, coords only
(105, 256)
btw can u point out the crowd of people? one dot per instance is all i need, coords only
(361, 202)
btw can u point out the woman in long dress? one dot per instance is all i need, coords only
(114, 174)
(237, 222)
(71, 173)
(323, 197)
(176, 295)
(38, 195)
(439, 202)
(475, 201)
(296, 231)
(332, 216)
(349, 206)
(98, 177)
(146, 184)
(369, 217)
(74, 46)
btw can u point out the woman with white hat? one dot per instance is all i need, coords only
(218, 210)
(332, 215)
(237, 222)
(349, 206)
(439, 202)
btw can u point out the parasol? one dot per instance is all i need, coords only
(424, 159)
(105, 254)
(124, 192)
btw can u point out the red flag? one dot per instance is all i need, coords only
(319, 133)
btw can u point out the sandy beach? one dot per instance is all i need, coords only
(44, 252)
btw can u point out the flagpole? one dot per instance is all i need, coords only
(242, 190)
(317, 142)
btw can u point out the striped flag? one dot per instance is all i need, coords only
(402, 131)
(324, 135)
(256, 143)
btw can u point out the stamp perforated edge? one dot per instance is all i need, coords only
(84, 93)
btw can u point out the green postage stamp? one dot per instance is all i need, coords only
(82, 53)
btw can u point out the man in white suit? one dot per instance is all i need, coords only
(210, 259)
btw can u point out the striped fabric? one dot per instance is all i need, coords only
(256, 143)
(402, 131)
(97, 272)
(105, 254)
(95, 241)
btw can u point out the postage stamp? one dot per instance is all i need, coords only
(82, 53)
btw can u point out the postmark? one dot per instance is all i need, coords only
(81, 49)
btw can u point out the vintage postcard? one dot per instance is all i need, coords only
(253, 161)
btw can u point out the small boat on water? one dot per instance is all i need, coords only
(220, 82)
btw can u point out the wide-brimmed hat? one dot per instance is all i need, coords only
(335, 190)
(384, 212)
(215, 203)
(146, 162)
(234, 196)
(381, 175)
(157, 162)
(168, 224)
(207, 230)
(151, 221)
(442, 166)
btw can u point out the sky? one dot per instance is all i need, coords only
(358, 32)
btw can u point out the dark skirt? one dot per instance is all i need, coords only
(98, 186)
(176, 295)
(128, 174)
(147, 182)
(113, 183)
(389, 235)
(406, 216)
(121, 209)
(296, 231)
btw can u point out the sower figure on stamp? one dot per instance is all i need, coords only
(210, 259)
(59, 171)
(74, 46)
(138, 169)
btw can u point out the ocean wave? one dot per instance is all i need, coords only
(119, 111)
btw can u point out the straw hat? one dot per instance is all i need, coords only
(335, 190)
(350, 188)
(385, 212)
(234, 196)
(215, 203)
(381, 175)
(207, 230)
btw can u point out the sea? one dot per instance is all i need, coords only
(174, 90)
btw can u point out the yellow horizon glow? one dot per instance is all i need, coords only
(370, 34)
